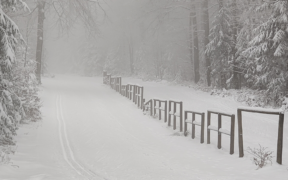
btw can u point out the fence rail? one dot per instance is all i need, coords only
(220, 130)
(174, 113)
(280, 130)
(194, 123)
(161, 106)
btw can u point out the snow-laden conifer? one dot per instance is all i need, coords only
(16, 99)
(220, 46)
(267, 52)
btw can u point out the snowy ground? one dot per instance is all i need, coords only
(91, 132)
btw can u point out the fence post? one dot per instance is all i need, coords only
(104, 76)
(193, 126)
(143, 107)
(181, 116)
(185, 124)
(219, 133)
(240, 133)
(208, 124)
(174, 117)
(120, 84)
(280, 138)
(154, 109)
(142, 97)
(232, 134)
(134, 93)
(151, 108)
(165, 112)
(169, 115)
(202, 127)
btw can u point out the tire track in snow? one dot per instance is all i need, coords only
(66, 148)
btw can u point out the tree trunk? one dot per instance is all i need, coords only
(41, 17)
(236, 80)
(191, 39)
(131, 54)
(205, 18)
(193, 23)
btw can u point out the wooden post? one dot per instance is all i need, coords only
(240, 133)
(280, 139)
(142, 97)
(193, 126)
(185, 124)
(120, 84)
(169, 115)
(165, 112)
(126, 89)
(110, 81)
(134, 93)
(232, 134)
(151, 107)
(130, 91)
(219, 133)
(143, 107)
(104, 77)
(181, 114)
(202, 127)
(159, 110)
(174, 117)
(208, 124)
(139, 98)
(154, 109)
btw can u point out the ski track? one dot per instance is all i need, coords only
(65, 145)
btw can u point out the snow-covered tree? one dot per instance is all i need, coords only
(267, 52)
(15, 85)
(220, 46)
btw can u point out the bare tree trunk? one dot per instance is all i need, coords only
(131, 53)
(191, 39)
(236, 79)
(193, 23)
(205, 18)
(41, 17)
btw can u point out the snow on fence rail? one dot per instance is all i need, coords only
(124, 90)
(194, 122)
(117, 84)
(112, 82)
(148, 106)
(220, 130)
(173, 112)
(135, 93)
(161, 106)
(138, 96)
(130, 89)
(280, 114)
(106, 78)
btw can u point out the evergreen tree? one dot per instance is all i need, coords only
(13, 106)
(219, 49)
(267, 54)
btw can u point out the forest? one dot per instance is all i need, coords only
(219, 46)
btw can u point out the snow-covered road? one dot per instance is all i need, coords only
(91, 132)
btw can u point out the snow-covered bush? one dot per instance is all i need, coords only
(5, 151)
(260, 156)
